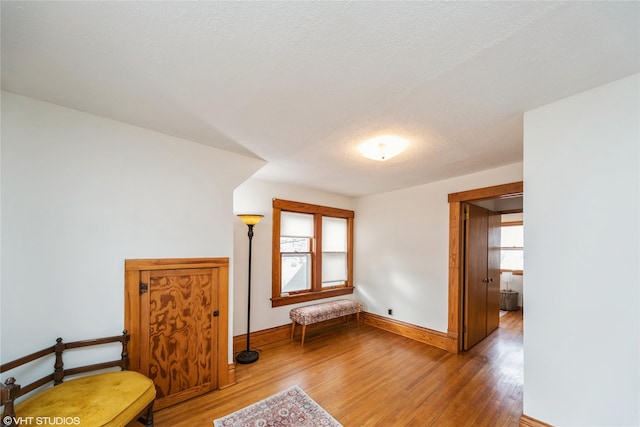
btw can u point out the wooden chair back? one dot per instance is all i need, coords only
(9, 391)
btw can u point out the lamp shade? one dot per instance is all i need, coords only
(250, 219)
(383, 148)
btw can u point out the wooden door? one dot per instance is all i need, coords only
(178, 348)
(482, 272)
(475, 325)
(176, 313)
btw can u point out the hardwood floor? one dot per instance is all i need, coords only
(369, 377)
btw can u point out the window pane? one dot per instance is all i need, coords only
(512, 236)
(334, 268)
(334, 234)
(295, 244)
(512, 259)
(296, 224)
(296, 272)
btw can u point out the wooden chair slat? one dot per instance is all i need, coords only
(26, 359)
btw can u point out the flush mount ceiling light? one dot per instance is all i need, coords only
(383, 148)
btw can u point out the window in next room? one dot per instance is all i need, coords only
(512, 244)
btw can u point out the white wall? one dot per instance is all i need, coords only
(402, 247)
(80, 194)
(256, 196)
(581, 325)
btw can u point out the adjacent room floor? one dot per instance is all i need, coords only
(369, 377)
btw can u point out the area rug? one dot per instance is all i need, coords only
(291, 408)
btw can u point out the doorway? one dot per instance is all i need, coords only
(457, 201)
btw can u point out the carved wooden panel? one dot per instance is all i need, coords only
(175, 338)
(180, 331)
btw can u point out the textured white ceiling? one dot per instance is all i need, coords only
(300, 84)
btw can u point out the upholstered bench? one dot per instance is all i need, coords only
(112, 399)
(316, 313)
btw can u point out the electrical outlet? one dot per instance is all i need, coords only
(390, 311)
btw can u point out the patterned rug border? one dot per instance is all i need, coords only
(232, 421)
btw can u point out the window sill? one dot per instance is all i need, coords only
(515, 272)
(310, 296)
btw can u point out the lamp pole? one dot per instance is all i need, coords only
(247, 356)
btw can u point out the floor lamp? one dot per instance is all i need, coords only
(248, 356)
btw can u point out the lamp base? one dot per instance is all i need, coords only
(246, 357)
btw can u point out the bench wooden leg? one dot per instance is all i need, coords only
(357, 318)
(147, 419)
(293, 329)
(304, 329)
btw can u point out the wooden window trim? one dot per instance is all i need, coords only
(515, 272)
(511, 223)
(316, 292)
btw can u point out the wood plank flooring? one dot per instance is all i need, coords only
(369, 377)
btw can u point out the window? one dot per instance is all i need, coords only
(512, 247)
(312, 252)
(334, 251)
(296, 234)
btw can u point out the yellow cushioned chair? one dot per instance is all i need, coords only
(108, 399)
(111, 399)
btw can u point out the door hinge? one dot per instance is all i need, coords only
(466, 212)
(144, 288)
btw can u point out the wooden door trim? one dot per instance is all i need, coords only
(132, 277)
(505, 191)
(456, 256)
(493, 260)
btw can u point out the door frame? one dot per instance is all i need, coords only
(133, 269)
(456, 251)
